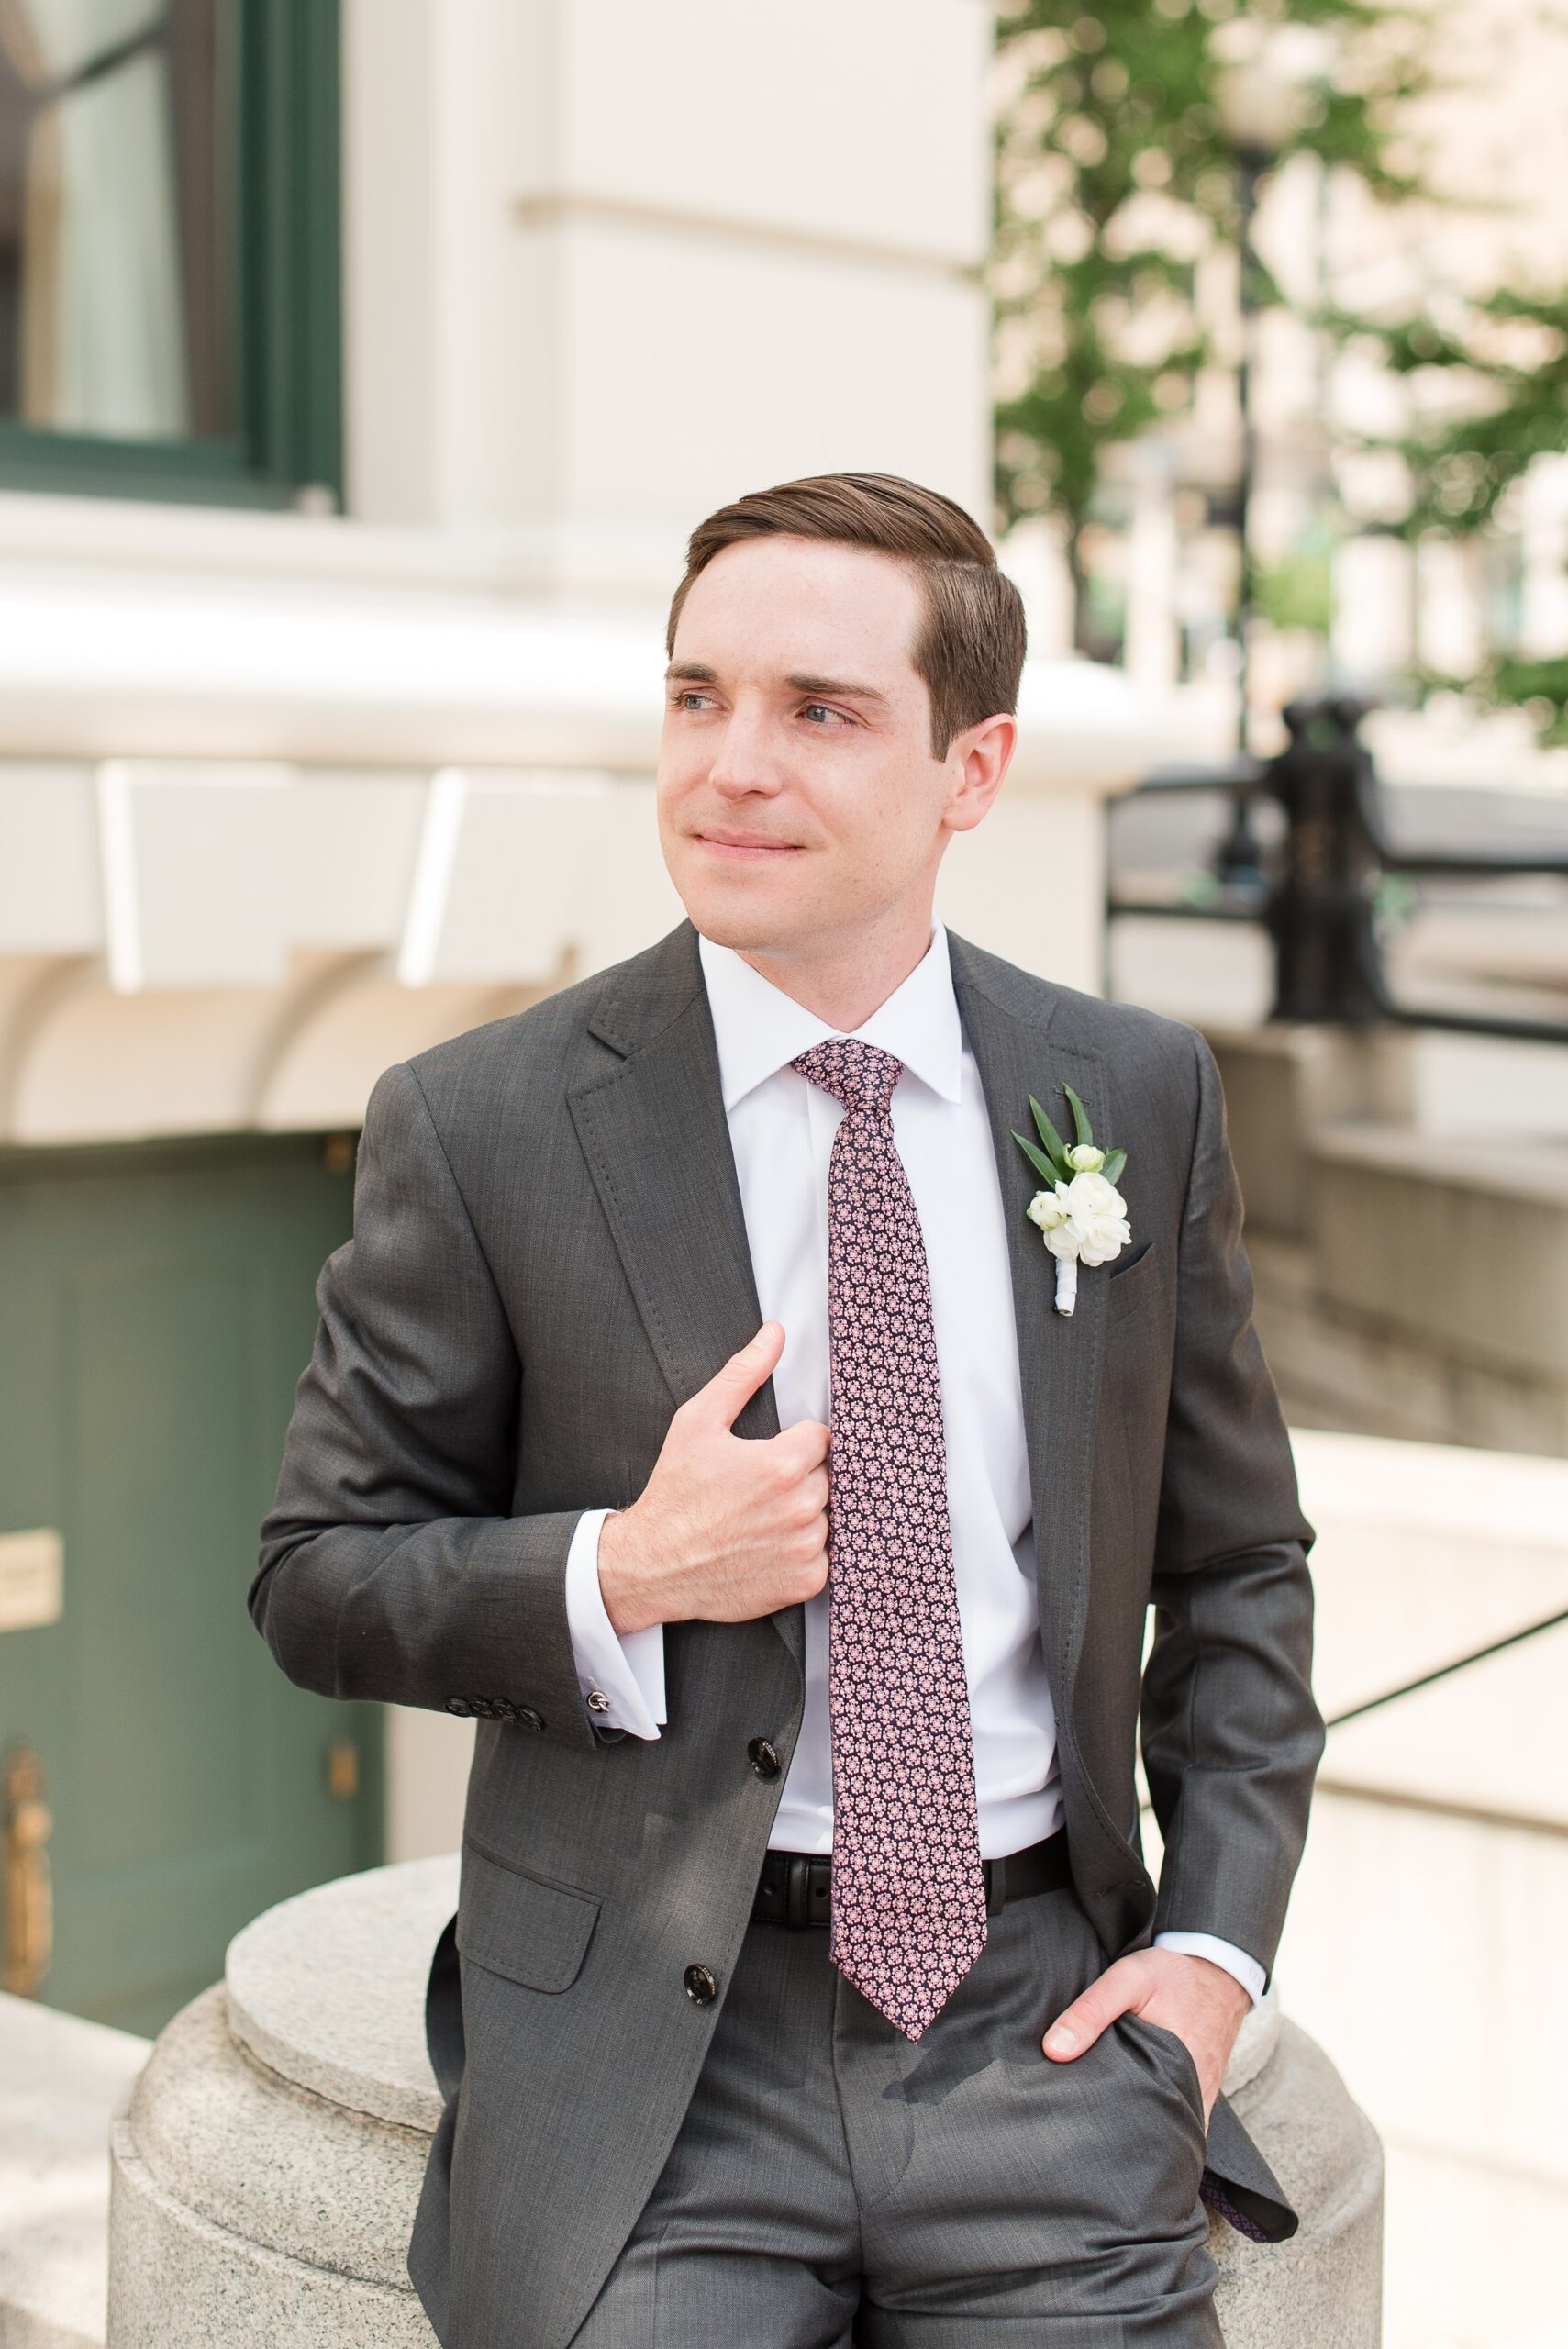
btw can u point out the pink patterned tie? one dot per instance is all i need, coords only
(908, 1891)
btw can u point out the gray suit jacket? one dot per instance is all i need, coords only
(549, 1255)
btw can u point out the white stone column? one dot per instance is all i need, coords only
(610, 265)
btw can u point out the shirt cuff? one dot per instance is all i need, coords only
(1246, 1970)
(625, 1670)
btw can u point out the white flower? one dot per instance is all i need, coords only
(1081, 1214)
(1090, 1225)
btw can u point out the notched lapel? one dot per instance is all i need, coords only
(656, 1141)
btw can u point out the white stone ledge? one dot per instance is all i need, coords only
(1426, 1554)
(1424, 1946)
(1470, 1259)
(60, 2079)
(219, 943)
(142, 664)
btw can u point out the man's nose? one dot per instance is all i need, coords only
(746, 759)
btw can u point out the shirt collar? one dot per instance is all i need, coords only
(759, 1028)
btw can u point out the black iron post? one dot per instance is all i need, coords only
(1322, 912)
(1238, 857)
(1252, 163)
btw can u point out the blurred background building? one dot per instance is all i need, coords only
(363, 364)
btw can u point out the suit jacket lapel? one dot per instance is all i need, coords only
(1006, 1018)
(656, 1144)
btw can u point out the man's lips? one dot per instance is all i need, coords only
(745, 844)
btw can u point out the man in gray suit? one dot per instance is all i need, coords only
(807, 1982)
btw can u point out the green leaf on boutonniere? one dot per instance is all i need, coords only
(1085, 1131)
(1116, 1160)
(1038, 1159)
(1051, 1139)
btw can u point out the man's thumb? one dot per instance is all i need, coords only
(733, 1385)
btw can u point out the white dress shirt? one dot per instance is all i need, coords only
(781, 1129)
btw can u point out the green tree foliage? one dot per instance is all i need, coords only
(1490, 396)
(1503, 364)
(1539, 687)
(1114, 178)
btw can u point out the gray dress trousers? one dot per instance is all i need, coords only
(834, 2182)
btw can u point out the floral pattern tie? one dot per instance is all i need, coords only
(908, 1886)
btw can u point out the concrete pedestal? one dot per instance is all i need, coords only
(266, 2168)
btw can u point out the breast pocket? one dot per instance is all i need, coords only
(1134, 1394)
(527, 1927)
(1133, 1286)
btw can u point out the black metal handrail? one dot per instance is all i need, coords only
(1318, 895)
(1442, 1671)
(1319, 903)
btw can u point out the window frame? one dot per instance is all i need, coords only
(289, 261)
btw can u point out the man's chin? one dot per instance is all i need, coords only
(745, 919)
(746, 934)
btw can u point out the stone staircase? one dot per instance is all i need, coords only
(1408, 1284)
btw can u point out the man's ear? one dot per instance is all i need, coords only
(978, 760)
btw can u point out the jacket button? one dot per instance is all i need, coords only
(700, 1986)
(528, 1719)
(764, 1760)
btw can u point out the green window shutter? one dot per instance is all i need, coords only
(291, 241)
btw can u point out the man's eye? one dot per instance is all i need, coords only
(688, 696)
(825, 710)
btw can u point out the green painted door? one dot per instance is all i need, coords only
(156, 1309)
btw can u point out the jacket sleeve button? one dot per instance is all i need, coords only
(528, 1719)
(461, 1706)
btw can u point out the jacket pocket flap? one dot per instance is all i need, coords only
(532, 1932)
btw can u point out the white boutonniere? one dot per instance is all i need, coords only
(1082, 1215)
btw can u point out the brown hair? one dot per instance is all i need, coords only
(970, 648)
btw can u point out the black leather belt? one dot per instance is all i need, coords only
(794, 1887)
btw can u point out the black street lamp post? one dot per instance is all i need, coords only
(1261, 103)
(1251, 162)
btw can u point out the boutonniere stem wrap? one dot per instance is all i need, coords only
(1082, 1215)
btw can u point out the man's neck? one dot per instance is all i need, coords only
(847, 983)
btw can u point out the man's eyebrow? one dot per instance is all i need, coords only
(836, 688)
